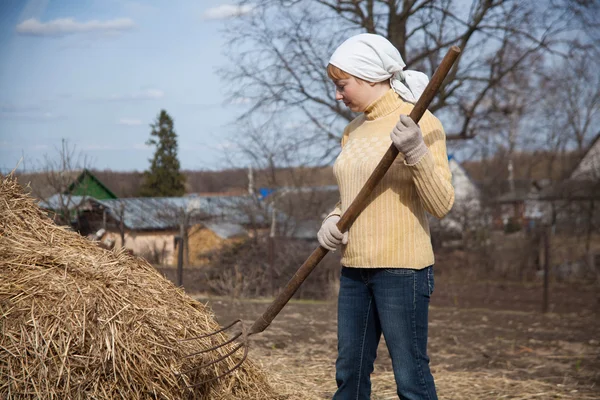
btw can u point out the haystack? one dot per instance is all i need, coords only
(78, 321)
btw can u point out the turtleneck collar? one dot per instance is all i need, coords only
(383, 105)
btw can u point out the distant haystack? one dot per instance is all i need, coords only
(78, 321)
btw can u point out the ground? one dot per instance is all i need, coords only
(487, 341)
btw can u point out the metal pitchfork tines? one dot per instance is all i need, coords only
(242, 343)
(343, 224)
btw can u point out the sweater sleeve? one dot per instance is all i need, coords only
(431, 174)
(337, 210)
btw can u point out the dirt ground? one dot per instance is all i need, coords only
(487, 341)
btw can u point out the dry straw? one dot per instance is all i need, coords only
(78, 321)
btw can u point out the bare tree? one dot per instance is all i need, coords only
(280, 52)
(507, 121)
(56, 184)
(279, 162)
(579, 85)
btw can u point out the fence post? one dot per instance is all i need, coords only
(179, 242)
(547, 236)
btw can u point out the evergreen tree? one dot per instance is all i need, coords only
(164, 177)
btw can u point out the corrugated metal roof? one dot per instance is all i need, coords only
(58, 201)
(226, 230)
(150, 213)
(305, 230)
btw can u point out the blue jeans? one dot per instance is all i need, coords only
(394, 302)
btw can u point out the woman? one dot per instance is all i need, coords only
(387, 258)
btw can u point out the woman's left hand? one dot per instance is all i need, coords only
(408, 139)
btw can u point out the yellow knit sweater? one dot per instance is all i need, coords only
(392, 231)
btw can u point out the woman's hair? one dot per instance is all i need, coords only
(335, 74)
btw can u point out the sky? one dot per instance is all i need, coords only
(98, 72)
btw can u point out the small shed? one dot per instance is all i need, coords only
(75, 204)
(208, 237)
(466, 211)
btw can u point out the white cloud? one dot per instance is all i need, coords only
(227, 11)
(129, 122)
(68, 26)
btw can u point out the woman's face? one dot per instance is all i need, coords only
(355, 93)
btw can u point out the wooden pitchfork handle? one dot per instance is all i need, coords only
(359, 202)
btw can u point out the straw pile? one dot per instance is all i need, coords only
(78, 321)
(317, 375)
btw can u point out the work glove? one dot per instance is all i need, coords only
(408, 139)
(329, 235)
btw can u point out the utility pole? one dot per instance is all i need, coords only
(250, 181)
(272, 250)
(515, 116)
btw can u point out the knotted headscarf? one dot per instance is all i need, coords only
(373, 58)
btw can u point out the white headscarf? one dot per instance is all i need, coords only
(373, 58)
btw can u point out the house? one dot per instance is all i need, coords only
(573, 205)
(149, 226)
(521, 207)
(589, 166)
(467, 198)
(582, 184)
(465, 215)
(568, 206)
(574, 199)
(75, 190)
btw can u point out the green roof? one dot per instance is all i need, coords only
(87, 184)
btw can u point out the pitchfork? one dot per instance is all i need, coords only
(240, 339)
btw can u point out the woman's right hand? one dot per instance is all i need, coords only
(329, 235)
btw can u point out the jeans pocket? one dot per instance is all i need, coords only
(399, 271)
